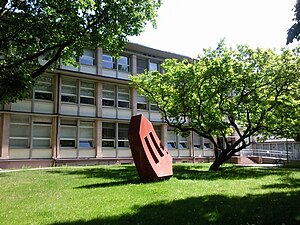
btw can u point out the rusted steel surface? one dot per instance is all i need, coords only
(153, 162)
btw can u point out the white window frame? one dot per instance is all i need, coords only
(111, 126)
(107, 91)
(122, 102)
(39, 89)
(87, 89)
(88, 57)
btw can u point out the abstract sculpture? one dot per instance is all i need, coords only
(153, 162)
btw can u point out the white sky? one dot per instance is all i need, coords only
(187, 26)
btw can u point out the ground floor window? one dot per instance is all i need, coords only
(76, 134)
(115, 135)
(30, 132)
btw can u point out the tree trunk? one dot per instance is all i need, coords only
(218, 162)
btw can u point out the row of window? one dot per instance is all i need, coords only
(83, 92)
(121, 64)
(35, 132)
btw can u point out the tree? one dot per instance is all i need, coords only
(55, 29)
(294, 30)
(241, 91)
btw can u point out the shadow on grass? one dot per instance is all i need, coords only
(272, 208)
(124, 175)
(193, 172)
(287, 182)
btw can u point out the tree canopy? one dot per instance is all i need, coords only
(241, 92)
(55, 29)
(294, 30)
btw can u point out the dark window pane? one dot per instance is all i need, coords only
(43, 96)
(65, 98)
(67, 143)
(141, 106)
(107, 102)
(123, 104)
(86, 100)
(108, 144)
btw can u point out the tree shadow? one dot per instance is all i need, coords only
(127, 174)
(287, 182)
(194, 172)
(272, 208)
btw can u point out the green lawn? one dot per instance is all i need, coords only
(114, 195)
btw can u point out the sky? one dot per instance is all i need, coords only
(187, 26)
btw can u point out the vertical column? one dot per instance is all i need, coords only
(133, 92)
(99, 99)
(191, 144)
(98, 135)
(133, 95)
(56, 93)
(99, 52)
(133, 64)
(164, 134)
(4, 139)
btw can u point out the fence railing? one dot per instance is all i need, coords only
(268, 153)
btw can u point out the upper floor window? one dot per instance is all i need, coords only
(142, 102)
(123, 97)
(122, 64)
(70, 93)
(153, 66)
(142, 65)
(87, 93)
(108, 62)
(88, 57)
(43, 89)
(112, 93)
(108, 95)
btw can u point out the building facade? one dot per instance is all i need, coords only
(80, 115)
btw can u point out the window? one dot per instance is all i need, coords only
(123, 64)
(88, 57)
(171, 139)
(41, 134)
(158, 131)
(43, 89)
(153, 66)
(108, 95)
(123, 135)
(87, 93)
(153, 107)
(108, 61)
(182, 142)
(69, 91)
(19, 132)
(176, 141)
(142, 65)
(142, 102)
(108, 134)
(86, 134)
(123, 97)
(23, 129)
(68, 133)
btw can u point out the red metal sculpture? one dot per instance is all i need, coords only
(152, 160)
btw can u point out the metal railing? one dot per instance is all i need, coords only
(268, 153)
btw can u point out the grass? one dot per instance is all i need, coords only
(114, 195)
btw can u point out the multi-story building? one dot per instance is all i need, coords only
(81, 114)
